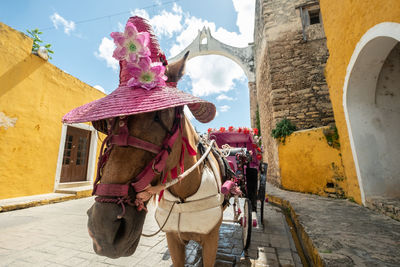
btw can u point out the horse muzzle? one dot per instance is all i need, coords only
(113, 237)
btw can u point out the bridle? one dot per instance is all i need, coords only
(122, 193)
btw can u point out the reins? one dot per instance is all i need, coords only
(178, 179)
(162, 227)
(188, 171)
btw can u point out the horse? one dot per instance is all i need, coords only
(116, 227)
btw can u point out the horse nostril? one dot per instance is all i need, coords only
(98, 247)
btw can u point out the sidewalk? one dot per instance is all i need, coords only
(10, 204)
(340, 233)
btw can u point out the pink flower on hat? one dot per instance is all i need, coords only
(131, 44)
(146, 74)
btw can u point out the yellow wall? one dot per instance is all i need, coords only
(345, 22)
(37, 95)
(308, 163)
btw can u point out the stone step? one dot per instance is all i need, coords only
(87, 189)
(74, 184)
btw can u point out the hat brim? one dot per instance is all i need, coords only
(125, 101)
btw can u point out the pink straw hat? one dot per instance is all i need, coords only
(142, 87)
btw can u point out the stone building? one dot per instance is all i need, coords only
(290, 56)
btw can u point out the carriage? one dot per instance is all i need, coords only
(241, 148)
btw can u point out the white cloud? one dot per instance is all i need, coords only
(57, 20)
(105, 51)
(141, 13)
(177, 9)
(164, 24)
(224, 97)
(224, 108)
(100, 88)
(213, 74)
(188, 113)
(121, 27)
(245, 17)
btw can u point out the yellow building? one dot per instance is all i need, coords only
(363, 75)
(38, 154)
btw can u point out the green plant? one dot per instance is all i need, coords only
(351, 199)
(34, 34)
(332, 136)
(258, 125)
(283, 129)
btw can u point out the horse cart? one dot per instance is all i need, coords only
(247, 184)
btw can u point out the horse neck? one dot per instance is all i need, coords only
(191, 183)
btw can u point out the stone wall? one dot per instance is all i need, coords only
(290, 64)
(253, 104)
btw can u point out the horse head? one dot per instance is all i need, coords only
(116, 229)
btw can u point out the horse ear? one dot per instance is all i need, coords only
(176, 70)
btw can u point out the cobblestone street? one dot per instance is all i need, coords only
(56, 235)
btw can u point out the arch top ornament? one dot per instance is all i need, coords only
(206, 44)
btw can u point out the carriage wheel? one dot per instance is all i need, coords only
(246, 224)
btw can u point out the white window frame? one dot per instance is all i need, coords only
(92, 152)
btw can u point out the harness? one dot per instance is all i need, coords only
(198, 213)
(121, 194)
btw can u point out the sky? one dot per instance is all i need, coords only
(79, 32)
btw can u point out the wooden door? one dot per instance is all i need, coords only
(76, 152)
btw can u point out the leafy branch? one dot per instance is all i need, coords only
(283, 129)
(34, 34)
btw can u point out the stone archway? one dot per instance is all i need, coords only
(372, 108)
(205, 44)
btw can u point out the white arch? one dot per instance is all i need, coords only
(359, 97)
(206, 44)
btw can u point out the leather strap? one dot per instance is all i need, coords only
(156, 165)
(111, 190)
(124, 139)
(192, 206)
(127, 140)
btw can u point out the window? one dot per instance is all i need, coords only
(313, 16)
(67, 150)
(309, 15)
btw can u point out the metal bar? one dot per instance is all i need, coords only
(302, 24)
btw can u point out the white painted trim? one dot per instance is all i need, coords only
(92, 151)
(60, 156)
(385, 29)
(92, 156)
